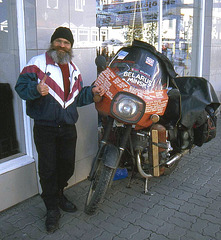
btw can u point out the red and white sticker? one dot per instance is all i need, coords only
(149, 61)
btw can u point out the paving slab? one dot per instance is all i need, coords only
(184, 206)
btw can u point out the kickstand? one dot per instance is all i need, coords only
(146, 191)
(131, 177)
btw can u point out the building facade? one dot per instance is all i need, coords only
(189, 30)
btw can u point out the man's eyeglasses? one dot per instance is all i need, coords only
(60, 42)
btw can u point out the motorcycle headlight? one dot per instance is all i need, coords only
(127, 107)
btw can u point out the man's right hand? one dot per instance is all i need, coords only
(42, 87)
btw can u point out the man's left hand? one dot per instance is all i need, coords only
(98, 90)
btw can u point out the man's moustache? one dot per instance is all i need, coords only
(60, 48)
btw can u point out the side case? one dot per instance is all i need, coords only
(199, 103)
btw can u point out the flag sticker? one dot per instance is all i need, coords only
(149, 61)
(122, 55)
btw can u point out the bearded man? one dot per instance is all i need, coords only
(52, 86)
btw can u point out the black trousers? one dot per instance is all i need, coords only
(56, 159)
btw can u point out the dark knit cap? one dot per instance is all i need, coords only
(63, 32)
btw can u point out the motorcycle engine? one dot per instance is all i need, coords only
(140, 140)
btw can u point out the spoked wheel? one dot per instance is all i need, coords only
(98, 188)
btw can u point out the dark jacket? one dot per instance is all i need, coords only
(52, 109)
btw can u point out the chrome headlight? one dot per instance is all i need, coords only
(127, 107)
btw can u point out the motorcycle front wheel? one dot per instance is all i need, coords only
(98, 188)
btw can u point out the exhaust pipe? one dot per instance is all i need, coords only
(168, 164)
(176, 158)
(143, 174)
(140, 170)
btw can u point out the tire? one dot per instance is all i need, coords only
(98, 188)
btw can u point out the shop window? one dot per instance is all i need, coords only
(11, 122)
(128, 20)
(178, 36)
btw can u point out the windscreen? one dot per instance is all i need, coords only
(140, 68)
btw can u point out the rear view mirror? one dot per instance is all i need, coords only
(101, 63)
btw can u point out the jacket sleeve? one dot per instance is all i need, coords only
(26, 86)
(85, 96)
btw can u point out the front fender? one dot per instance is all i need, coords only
(110, 156)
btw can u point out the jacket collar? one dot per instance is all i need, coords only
(49, 60)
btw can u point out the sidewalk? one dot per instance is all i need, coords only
(184, 206)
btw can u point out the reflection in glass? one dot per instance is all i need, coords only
(177, 36)
(11, 136)
(125, 20)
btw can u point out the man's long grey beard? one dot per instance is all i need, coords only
(60, 57)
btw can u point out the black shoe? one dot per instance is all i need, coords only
(66, 205)
(52, 220)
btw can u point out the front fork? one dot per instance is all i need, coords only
(104, 142)
(121, 148)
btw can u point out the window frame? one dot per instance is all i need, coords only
(22, 61)
(79, 5)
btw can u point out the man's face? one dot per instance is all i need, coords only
(61, 45)
(61, 50)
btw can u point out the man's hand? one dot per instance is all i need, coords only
(98, 91)
(42, 87)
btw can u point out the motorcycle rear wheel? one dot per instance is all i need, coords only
(98, 188)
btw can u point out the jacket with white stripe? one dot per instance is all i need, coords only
(52, 109)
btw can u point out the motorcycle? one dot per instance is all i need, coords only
(151, 118)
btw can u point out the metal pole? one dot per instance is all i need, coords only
(160, 20)
(201, 44)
